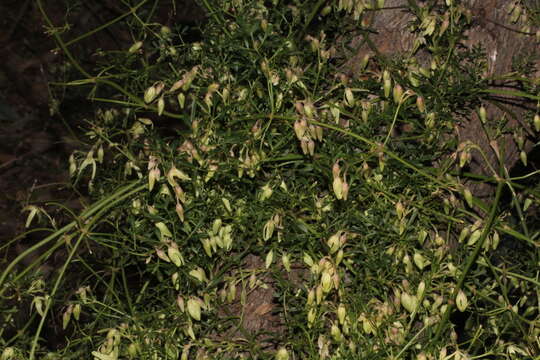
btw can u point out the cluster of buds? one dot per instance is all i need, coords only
(411, 303)
(228, 292)
(212, 88)
(307, 134)
(250, 162)
(273, 223)
(401, 220)
(220, 236)
(464, 151)
(329, 278)
(335, 244)
(188, 148)
(72, 310)
(110, 348)
(340, 184)
(153, 92)
(185, 82)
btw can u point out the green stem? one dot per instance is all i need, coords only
(111, 202)
(471, 260)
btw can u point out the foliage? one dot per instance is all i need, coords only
(348, 190)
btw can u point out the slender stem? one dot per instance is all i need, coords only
(471, 260)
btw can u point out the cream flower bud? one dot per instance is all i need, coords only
(198, 274)
(326, 281)
(341, 313)
(349, 97)
(397, 93)
(339, 256)
(364, 62)
(162, 255)
(311, 316)
(420, 261)
(174, 174)
(410, 303)
(523, 157)
(536, 120)
(286, 261)
(163, 230)
(194, 309)
(387, 87)
(269, 259)
(461, 301)
(420, 290)
(420, 104)
(336, 332)
(333, 243)
(153, 176)
(175, 255)
(150, 94)
(337, 186)
(345, 189)
(282, 354)
(160, 106)
(468, 197)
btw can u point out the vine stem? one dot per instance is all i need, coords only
(471, 259)
(111, 201)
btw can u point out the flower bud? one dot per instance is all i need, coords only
(150, 94)
(194, 309)
(135, 47)
(420, 290)
(410, 303)
(420, 261)
(420, 104)
(468, 197)
(198, 274)
(482, 114)
(286, 261)
(398, 93)
(160, 106)
(269, 259)
(387, 86)
(536, 120)
(326, 281)
(282, 354)
(163, 230)
(349, 97)
(153, 176)
(175, 255)
(8, 354)
(461, 301)
(179, 211)
(523, 157)
(333, 242)
(339, 256)
(474, 237)
(337, 186)
(364, 62)
(66, 317)
(336, 333)
(341, 313)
